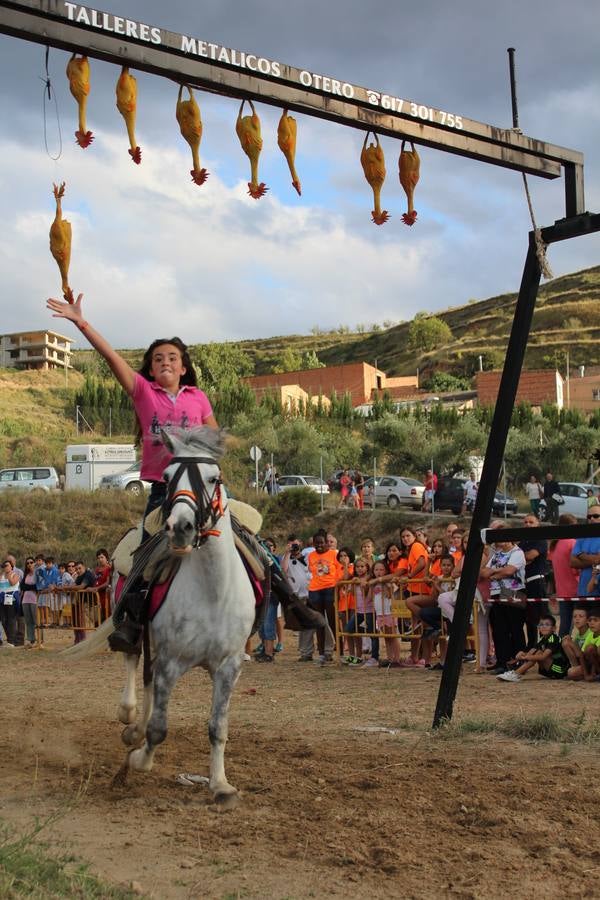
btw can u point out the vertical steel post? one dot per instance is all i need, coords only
(513, 86)
(515, 353)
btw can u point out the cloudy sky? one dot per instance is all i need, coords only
(155, 255)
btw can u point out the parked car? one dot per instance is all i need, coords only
(575, 497)
(451, 491)
(130, 480)
(287, 482)
(396, 490)
(31, 478)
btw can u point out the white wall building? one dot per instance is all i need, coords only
(35, 350)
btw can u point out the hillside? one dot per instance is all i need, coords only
(566, 318)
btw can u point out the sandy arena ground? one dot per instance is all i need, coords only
(331, 806)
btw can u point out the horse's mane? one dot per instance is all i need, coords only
(196, 441)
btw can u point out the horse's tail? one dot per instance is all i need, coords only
(93, 644)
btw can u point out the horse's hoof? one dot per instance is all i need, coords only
(227, 801)
(127, 714)
(139, 760)
(131, 736)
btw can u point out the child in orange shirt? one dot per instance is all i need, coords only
(346, 603)
(323, 567)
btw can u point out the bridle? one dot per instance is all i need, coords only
(207, 507)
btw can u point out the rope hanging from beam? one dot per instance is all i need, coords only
(540, 246)
(48, 95)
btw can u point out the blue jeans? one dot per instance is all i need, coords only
(268, 629)
(356, 620)
(158, 492)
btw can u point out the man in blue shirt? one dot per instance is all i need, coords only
(586, 553)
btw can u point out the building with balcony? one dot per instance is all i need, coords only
(35, 350)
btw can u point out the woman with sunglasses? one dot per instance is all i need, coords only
(9, 599)
(29, 601)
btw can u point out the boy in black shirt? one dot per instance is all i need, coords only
(547, 654)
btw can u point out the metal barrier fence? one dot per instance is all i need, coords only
(395, 619)
(67, 607)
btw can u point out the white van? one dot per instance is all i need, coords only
(29, 478)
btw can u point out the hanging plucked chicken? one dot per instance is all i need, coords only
(78, 73)
(60, 243)
(127, 104)
(248, 131)
(373, 163)
(190, 125)
(286, 141)
(409, 165)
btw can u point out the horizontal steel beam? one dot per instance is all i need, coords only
(235, 73)
(540, 533)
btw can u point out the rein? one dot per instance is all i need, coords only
(207, 508)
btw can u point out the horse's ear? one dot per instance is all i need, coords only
(168, 441)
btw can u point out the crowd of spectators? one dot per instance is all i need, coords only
(43, 594)
(517, 587)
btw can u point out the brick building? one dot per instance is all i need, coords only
(583, 392)
(360, 380)
(536, 386)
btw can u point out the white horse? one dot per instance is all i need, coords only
(206, 617)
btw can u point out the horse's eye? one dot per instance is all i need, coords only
(213, 480)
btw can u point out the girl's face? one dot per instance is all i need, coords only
(102, 560)
(446, 567)
(422, 536)
(579, 618)
(343, 558)
(393, 553)
(379, 570)
(408, 538)
(360, 568)
(368, 548)
(167, 366)
(464, 542)
(437, 548)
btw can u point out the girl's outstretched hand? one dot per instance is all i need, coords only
(62, 310)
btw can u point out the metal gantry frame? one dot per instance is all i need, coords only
(193, 60)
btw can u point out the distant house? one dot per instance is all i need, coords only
(35, 350)
(360, 380)
(536, 386)
(583, 392)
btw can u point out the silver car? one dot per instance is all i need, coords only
(396, 490)
(287, 482)
(576, 498)
(130, 480)
(29, 478)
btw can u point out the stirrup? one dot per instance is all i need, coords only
(127, 638)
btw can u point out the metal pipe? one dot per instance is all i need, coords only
(492, 465)
(513, 86)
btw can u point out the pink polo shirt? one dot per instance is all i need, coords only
(565, 578)
(157, 409)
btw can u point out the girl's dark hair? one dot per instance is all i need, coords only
(104, 551)
(563, 519)
(188, 378)
(396, 544)
(444, 547)
(348, 551)
(320, 533)
(447, 556)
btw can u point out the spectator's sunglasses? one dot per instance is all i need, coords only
(594, 516)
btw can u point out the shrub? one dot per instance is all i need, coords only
(296, 502)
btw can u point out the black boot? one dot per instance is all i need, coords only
(298, 615)
(128, 619)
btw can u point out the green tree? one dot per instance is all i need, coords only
(428, 332)
(310, 360)
(443, 382)
(290, 360)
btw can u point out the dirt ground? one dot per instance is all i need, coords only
(331, 806)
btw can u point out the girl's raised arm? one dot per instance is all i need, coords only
(73, 312)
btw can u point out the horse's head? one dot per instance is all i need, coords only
(195, 496)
